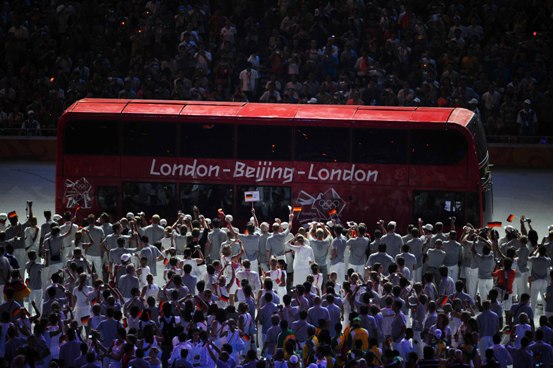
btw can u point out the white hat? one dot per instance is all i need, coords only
(438, 333)
(30, 112)
(312, 100)
(351, 223)
(188, 217)
(56, 217)
(392, 223)
(527, 101)
(229, 218)
(417, 100)
(163, 222)
(207, 220)
(549, 228)
(125, 257)
(294, 359)
(130, 215)
(428, 227)
(509, 228)
(284, 225)
(473, 101)
(329, 223)
(3, 216)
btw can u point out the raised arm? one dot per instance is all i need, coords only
(255, 221)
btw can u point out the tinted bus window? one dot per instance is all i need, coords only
(107, 197)
(477, 131)
(273, 202)
(209, 198)
(434, 206)
(379, 146)
(257, 142)
(91, 137)
(322, 144)
(437, 147)
(151, 198)
(146, 138)
(207, 140)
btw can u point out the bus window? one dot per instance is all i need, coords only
(472, 208)
(146, 138)
(107, 198)
(208, 197)
(379, 146)
(273, 202)
(83, 137)
(437, 147)
(322, 144)
(257, 142)
(207, 140)
(151, 198)
(434, 206)
(477, 130)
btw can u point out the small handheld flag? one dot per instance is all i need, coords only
(332, 212)
(511, 218)
(165, 261)
(224, 298)
(251, 196)
(494, 224)
(297, 209)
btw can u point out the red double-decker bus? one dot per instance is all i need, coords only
(356, 163)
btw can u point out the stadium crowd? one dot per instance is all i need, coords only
(200, 292)
(490, 56)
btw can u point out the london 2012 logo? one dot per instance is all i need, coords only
(77, 193)
(320, 207)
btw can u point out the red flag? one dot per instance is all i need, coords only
(161, 307)
(84, 320)
(494, 224)
(246, 337)
(332, 212)
(125, 325)
(246, 232)
(296, 209)
(139, 314)
(165, 261)
(445, 300)
(511, 218)
(224, 298)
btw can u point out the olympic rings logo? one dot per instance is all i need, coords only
(328, 204)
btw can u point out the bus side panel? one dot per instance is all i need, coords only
(359, 203)
(107, 166)
(445, 176)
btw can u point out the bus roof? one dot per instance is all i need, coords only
(275, 111)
